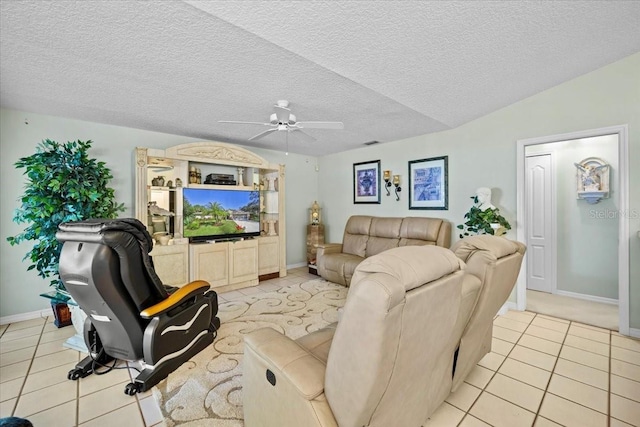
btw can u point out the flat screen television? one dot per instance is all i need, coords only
(217, 214)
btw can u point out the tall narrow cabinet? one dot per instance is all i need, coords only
(161, 176)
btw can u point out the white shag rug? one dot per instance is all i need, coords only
(207, 390)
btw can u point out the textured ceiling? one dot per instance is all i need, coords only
(388, 69)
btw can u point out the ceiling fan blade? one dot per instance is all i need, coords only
(261, 134)
(304, 135)
(321, 125)
(243, 123)
(282, 114)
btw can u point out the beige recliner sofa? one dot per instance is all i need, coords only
(365, 236)
(495, 262)
(389, 361)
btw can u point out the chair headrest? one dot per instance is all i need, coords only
(412, 266)
(92, 230)
(497, 246)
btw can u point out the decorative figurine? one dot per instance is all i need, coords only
(592, 179)
(314, 217)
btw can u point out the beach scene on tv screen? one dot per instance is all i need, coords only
(220, 212)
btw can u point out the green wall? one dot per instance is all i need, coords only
(19, 288)
(482, 153)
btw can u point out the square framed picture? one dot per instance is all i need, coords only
(428, 183)
(366, 182)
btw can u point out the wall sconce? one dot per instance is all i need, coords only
(396, 182)
(387, 178)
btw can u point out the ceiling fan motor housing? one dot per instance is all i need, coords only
(273, 119)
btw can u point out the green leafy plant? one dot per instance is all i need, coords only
(479, 221)
(63, 184)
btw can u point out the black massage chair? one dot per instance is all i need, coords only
(106, 267)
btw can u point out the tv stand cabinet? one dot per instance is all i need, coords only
(226, 265)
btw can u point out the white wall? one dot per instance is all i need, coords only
(587, 239)
(114, 145)
(483, 153)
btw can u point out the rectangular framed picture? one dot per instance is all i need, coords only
(428, 183)
(366, 182)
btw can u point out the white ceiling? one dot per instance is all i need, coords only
(388, 69)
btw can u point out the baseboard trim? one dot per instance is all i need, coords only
(588, 297)
(506, 307)
(5, 320)
(300, 264)
(634, 332)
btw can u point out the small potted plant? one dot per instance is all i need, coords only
(63, 184)
(483, 218)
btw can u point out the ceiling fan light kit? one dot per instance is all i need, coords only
(283, 120)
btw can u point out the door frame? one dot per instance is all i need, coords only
(554, 223)
(623, 205)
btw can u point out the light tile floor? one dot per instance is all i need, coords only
(542, 372)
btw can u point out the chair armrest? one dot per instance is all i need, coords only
(176, 298)
(288, 361)
(328, 248)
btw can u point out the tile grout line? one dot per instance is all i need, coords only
(609, 384)
(553, 369)
(578, 403)
(26, 375)
(484, 389)
(546, 389)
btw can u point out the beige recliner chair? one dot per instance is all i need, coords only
(389, 362)
(495, 262)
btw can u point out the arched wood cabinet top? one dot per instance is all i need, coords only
(217, 152)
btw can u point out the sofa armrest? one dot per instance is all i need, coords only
(178, 297)
(328, 248)
(444, 235)
(287, 360)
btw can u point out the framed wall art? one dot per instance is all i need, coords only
(366, 182)
(428, 183)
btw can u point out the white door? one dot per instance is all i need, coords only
(539, 211)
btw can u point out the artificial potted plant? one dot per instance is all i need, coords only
(483, 218)
(63, 184)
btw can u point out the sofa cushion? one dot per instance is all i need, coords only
(383, 235)
(355, 244)
(497, 247)
(318, 343)
(419, 231)
(386, 227)
(356, 235)
(338, 266)
(411, 265)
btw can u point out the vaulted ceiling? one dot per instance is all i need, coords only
(387, 69)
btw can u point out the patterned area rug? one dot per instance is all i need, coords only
(207, 390)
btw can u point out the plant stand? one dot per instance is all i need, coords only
(78, 317)
(61, 313)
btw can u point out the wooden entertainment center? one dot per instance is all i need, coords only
(227, 264)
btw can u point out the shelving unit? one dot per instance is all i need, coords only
(226, 265)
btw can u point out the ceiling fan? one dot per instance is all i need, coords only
(282, 119)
